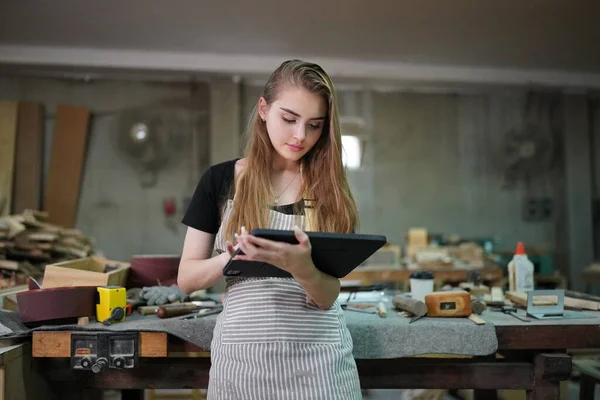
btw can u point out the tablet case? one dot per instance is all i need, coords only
(335, 254)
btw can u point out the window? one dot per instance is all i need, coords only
(351, 151)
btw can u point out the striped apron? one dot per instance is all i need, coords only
(271, 343)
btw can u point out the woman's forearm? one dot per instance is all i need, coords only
(201, 274)
(322, 289)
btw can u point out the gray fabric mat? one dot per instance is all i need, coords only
(373, 337)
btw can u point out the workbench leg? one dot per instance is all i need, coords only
(587, 387)
(549, 369)
(132, 394)
(485, 394)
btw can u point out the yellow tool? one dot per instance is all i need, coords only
(111, 304)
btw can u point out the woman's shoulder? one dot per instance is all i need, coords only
(219, 177)
(223, 169)
(228, 167)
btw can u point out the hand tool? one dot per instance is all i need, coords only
(369, 309)
(448, 304)
(148, 310)
(415, 307)
(174, 310)
(416, 318)
(111, 304)
(476, 319)
(552, 310)
(477, 306)
(204, 312)
(381, 309)
(511, 311)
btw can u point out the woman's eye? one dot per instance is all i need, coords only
(289, 121)
(314, 126)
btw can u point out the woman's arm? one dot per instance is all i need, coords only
(322, 289)
(197, 270)
(296, 259)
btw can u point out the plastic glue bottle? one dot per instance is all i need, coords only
(520, 271)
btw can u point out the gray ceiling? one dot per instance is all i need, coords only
(550, 34)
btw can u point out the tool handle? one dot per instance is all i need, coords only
(477, 306)
(381, 309)
(415, 307)
(147, 310)
(173, 311)
(476, 319)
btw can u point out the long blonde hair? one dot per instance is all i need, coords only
(329, 204)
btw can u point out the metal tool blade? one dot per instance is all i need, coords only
(204, 312)
(413, 319)
(514, 314)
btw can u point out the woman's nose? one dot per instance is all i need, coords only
(300, 132)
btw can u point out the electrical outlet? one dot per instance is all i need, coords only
(537, 209)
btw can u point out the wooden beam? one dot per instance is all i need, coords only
(67, 161)
(29, 157)
(169, 373)
(8, 137)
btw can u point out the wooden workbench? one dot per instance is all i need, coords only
(369, 275)
(531, 356)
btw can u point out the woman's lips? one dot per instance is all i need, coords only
(295, 148)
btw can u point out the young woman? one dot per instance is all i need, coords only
(277, 338)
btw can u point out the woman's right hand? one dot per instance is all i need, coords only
(230, 248)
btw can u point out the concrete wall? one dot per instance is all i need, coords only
(125, 217)
(435, 160)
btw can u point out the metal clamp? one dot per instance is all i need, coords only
(545, 311)
(99, 351)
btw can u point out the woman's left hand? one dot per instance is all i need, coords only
(293, 258)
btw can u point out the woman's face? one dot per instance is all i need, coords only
(294, 121)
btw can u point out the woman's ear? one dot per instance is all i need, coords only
(262, 108)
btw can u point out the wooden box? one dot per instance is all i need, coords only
(89, 271)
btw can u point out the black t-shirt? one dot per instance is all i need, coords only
(213, 190)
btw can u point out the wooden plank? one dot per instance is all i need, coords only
(400, 373)
(2, 383)
(51, 344)
(66, 164)
(29, 157)
(547, 337)
(153, 344)
(8, 136)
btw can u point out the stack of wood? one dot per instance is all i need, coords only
(28, 243)
(469, 253)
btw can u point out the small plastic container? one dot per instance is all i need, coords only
(520, 271)
(421, 284)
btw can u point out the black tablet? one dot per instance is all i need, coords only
(335, 254)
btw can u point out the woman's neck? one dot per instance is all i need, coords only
(281, 165)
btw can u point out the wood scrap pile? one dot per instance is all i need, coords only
(423, 253)
(28, 242)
